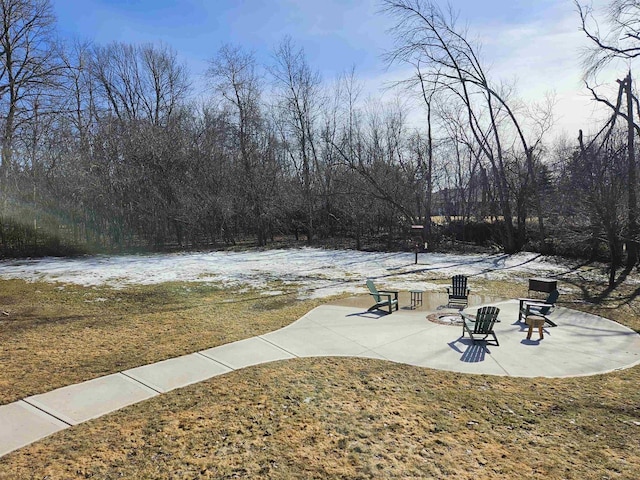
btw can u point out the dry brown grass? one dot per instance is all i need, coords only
(354, 418)
(319, 418)
(56, 336)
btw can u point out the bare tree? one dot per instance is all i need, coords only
(426, 160)
(461, 164)
(621, 41)
(598, 183)
(80, 101)
(428, 38)
(164, 83)
(139, 82)
(233, 74)
(373, 145)
(29, 68)
(298, 90)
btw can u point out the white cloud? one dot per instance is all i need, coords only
(540, 56)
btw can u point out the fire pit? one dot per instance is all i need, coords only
(445, 318)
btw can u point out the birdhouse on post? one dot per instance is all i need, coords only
(417, 240)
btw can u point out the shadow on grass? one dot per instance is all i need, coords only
(592, 294)
(28, 322)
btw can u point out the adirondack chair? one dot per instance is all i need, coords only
(531, 306)
(458, 292)
(383, 298)
(481, 325)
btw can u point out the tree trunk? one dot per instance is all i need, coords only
(7, 153)
(426, 234)
(538, 203)
(615, 255)
(632, 241)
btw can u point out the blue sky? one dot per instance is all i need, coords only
(534, 43)
(335, 33)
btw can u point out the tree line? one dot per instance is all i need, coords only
(106, 147)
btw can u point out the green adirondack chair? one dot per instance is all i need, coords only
(481, 325)
(458, 292)
(383, 298)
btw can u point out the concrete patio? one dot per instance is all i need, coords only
(581, 344)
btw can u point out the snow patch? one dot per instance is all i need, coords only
(315, 272)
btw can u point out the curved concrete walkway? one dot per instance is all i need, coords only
(582, 344)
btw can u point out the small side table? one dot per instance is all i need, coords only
(535, 321)
(416, 298)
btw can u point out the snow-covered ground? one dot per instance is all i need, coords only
(315, 272)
